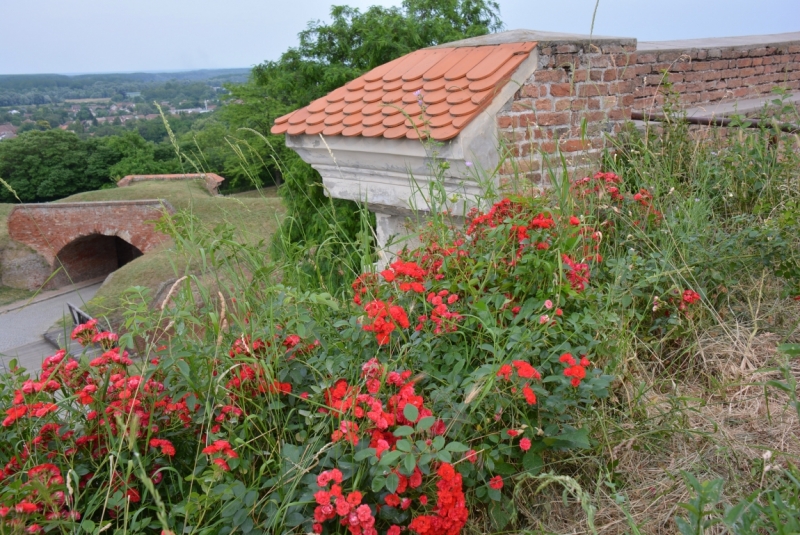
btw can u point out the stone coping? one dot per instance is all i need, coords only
(88, 204)
(721, 42)
(543, 38)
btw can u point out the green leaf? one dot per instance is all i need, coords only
(389, 457)
(411, 413)
(392, 481)
(403, 431)
(793, 350)
(532, 462)
(456, 447)
(409, 463)
(183, 367)
(425, 423)
(378, 483)
(404, 445)
(88, 526)
(575, 439)
(438, 442)
(444, 456)
(366, 453)
(500, 514)
(504, 468)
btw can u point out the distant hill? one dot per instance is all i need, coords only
(37, 89)
(27, 82)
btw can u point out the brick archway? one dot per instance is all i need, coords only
(86, 239)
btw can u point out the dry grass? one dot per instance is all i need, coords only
(717, 421)
(5, 211)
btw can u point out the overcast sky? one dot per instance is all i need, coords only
(79, 36)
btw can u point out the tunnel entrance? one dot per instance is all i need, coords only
(91, 257)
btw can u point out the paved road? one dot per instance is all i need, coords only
(21, 329)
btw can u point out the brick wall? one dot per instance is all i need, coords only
(713, 73)
(579, 92)
(582, 91)
(81, 236)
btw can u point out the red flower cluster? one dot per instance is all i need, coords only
(385, 318)
(575, 370)
(496, 215)
(219, 450)
(451, 509)
(577, 273)
(690, 296)
(441, 316)
(523, 370)
(45, 497)
(166, 446)
(599, 184)
(408, 274)
(355, 516)
(84, 332)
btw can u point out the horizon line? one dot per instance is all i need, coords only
(159, 71)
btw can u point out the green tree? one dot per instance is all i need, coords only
(44, 165)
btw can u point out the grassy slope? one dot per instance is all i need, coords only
(257, 216)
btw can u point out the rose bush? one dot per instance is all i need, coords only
(464, 363)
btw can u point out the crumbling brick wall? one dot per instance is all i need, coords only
(706, 75)
(580, 92)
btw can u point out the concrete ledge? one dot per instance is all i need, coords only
(542, 38)
(211, 180)
(93, 204)
(746, 41)
(737, 107)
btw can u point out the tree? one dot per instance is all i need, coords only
(43, 165)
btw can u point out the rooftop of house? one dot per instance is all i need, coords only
(435, 91)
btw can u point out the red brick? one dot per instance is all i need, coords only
(563, 104)
(543, 104)
(574, 145)
(550, 119)
(561, 90)
(529, 90)
(648, 57)
(592, 90)
(550, 75)
(503, 121)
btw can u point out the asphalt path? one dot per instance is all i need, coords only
(22, 327)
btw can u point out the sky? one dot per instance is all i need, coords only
(93, 36)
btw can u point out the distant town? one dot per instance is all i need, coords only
(89, 104)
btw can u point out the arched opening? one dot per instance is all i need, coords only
(92, 256)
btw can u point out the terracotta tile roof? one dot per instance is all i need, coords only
(438, 90)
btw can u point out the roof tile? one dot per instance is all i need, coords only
(429, 61)
(353, 107)
(354, 130)
(352, 120)
(460, 69)
(439, 70)
(374, 131)
(453, 85)
(334, 130)
(337, 118)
